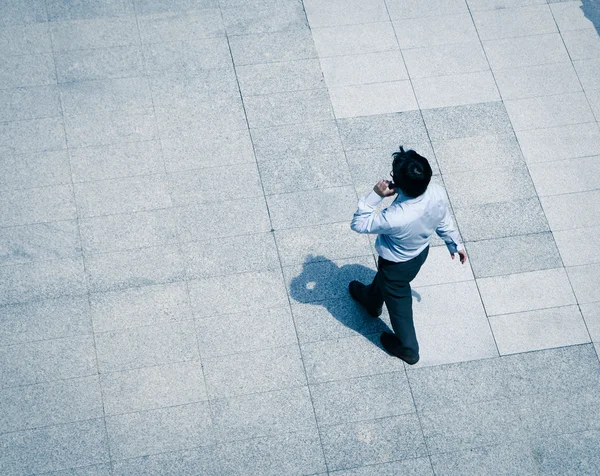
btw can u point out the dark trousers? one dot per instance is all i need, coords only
(392, 286)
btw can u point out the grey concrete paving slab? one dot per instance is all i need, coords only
(159, 431)
(363, 398)
(133, 268)
(364, 68)
(578, 246)
(582, 44)
(583, 279)
(441, 269)
(354, 39)
(42, 280)
(563, 142)
(155, 387)
(158, 344)
(237, 293)
(146, 7)
(27, 70)
(366, 99)
(401, 9)
(514, 22)
(483, 5)
(204, 460)
(54, 448)
(35, 102)
(501, 219)
(569, 453)
(321, 14)
(293, 453)
(573, 210)
(52, 403)
(541, 329)
(41, 320)
(245, 332)
(263, 414)
(570, 16)
(503, 295)
(594, 100)
(388, 439)
(94, 33)
(271, 47)
(437, 30)
(410, 467)
(441, 60)
(591, 315)
(189, 26)
(588, 71)
(253, 372)
(37, 205)
(94, 470)
(509, 53)
(36, 135)
(566, 176)
(24, 39)
(47, 360)
(58, 11)
(143, 306)
(14, 12)
(539, 80)
(263, 17)
(42, 241)
(527, 253)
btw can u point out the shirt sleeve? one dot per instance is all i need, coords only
(367, 219)
(448, 232)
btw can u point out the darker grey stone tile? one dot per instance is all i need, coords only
(36, 102)
(408, 467)
(527, 253)
(34, 169)
(568, 454)
(175, 26)
(95, 470)
(61, 11)
(54, 448)
(15, 12)
(23, 39)
(467, 121)
(147, 7)
(103, 32)
(269, 78)
(388, 439)
(35, 205)
(269, 47)
(263, 17)
(203, 461)
(21, 137)
(27, 71)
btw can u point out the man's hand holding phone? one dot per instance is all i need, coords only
(382, 188)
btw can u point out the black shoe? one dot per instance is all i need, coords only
(391, 343)
(357, 289)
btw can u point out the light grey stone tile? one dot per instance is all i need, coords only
(103, 469)
(99, 63)
(438, 30)
(582, 44)
(128, 231)
(409, 467)
(536, 330)
(111, 127)
(472, 120)
(234, 293)
(225, 148)
(292, 453)
(16, 12)
(456, 90)
(54, 448)
(364, 398)
(198, 461)
(263, 17)
(440, 268)
(588, 71)
(514, 254)
(314, 207)
(355, 39)
(148, 7)
(27, 71)
(364, 68)
(143, 306)
(270, 47)
(288, 108)
(578, 246)
(563, 142)
(574, 210)
(59, 11)
(123, 195)
(443, 60)
(566, 176)
(245, 332)
(514, 22)
(357, 356)
(35, 205)
(133, 268)
(53, 403)
(368, 99)
(321, 14)
(236, 254)
(583, 279)
(574, 16)
(42, 280)
(556, 78)
(94, 33)
(401, 9)
(252, 372)
(27, 39)
(186, 58)
(502, 219)
(373, 441)
(153, 387)
(20, 137)
(159, 344)
(36, 102)
(269, 78)
(509, 53)
(263, 414)
(192, 187)
(570, 453)
(321, 242)
(594, 100)
(482, 5)
(549, 111)
(41, 320)
(591, 315)
(181, 26)
(160, 430)
(523, 292)
(43, 241)
(47, 360)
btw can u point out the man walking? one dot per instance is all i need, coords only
(403, 230)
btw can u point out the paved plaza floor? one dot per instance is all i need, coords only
(177, 179)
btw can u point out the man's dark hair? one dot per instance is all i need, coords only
(411, 172)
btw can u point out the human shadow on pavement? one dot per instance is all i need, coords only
(324, 283)
(591, 10)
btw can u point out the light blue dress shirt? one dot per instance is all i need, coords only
(404, 228)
